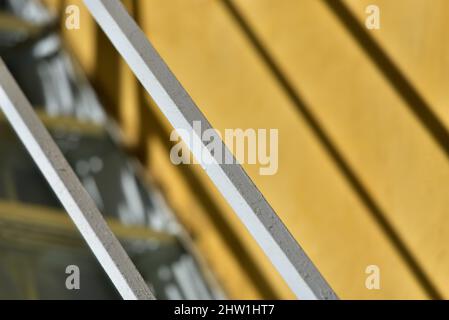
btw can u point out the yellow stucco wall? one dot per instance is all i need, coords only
(389, 150)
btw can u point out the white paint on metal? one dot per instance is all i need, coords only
(69, 190)
(230, 179)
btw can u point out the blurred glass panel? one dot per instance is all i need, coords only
(105, 171)
(36, 247)
(47, 74)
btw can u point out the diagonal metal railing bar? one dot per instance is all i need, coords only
(69, 190)
(231, 180)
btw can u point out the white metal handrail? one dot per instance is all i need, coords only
(69, 190)
(230, 179)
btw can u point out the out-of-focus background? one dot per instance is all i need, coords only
(363, 123)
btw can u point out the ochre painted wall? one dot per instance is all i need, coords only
(398, 165)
